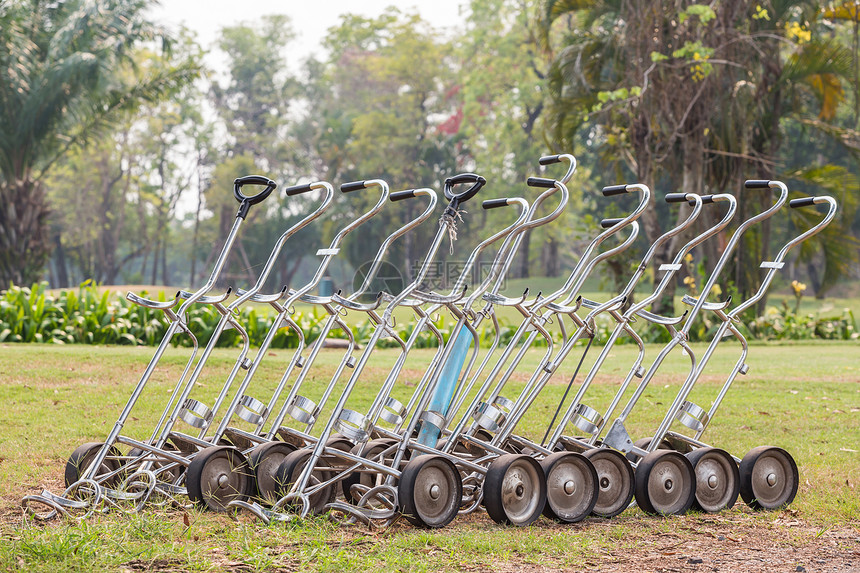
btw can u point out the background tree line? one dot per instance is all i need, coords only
(118, 147)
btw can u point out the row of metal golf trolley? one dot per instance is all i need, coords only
(456, 445)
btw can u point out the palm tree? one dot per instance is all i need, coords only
(67, 72)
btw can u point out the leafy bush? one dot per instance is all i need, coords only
(86, 316)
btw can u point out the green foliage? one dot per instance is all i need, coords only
(68, 73)
(784, 323)
(88, 316)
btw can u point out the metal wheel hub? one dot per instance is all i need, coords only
(771, 477)
(520, 487)
(667, 485)
(433, 492)
(717, 479)
(569, 487)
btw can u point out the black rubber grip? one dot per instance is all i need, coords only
(676, 197)
(540, 182)
(476, 180)
(549, 159)
(706, 199)
(352, 186)
(756, 183)
(401, 195)
(614, 190)
(606, 223)
(297, 189)
(245, 201)
(494, 203)
(802, 202)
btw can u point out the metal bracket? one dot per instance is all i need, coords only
(771, 265)
(618, 438)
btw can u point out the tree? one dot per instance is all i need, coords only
(641, 80)
(254, 106)
(503, 95)
(376, 109)
(62, 81)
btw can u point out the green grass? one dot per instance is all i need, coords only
(804, 397)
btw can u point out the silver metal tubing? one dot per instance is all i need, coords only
(622, 325)
(99, 458)
(772, 268)
(327, 256)
(229, 318)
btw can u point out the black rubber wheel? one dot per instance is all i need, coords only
(718, 480)
(665, 483)
(218, 475)
(430, 491)
(571, 486)
(84, 455)
(768, 478)
(290, 470)
(614, 480)
(372, 451)
(264, 461)
(515, 490)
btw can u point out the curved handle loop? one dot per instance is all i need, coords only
(476, 180)
(246, 201)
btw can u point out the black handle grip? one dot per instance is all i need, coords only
(614, 190)
(352, 186)
(606, 223)
(494, 203)
(706, 200)
(549, 159)
(676, 197)
(476, 180)
(401, 195)
(297, 189)
(540, 182)
(245, 201)
(756, 183)
(802, 202)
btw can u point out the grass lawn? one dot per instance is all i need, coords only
(802, 397)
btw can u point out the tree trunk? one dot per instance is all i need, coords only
(24, 241)
(60, 265)
(549, 258)
(524, 256)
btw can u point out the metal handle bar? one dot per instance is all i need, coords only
(652, 250)
(570, 159)
(476, 252)
(578, 275)
(276, 250)
(733, 241)
(245, 203)
(512, 243)
(383, 248)
(776, 264)
(348, 187)
(675, 265)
